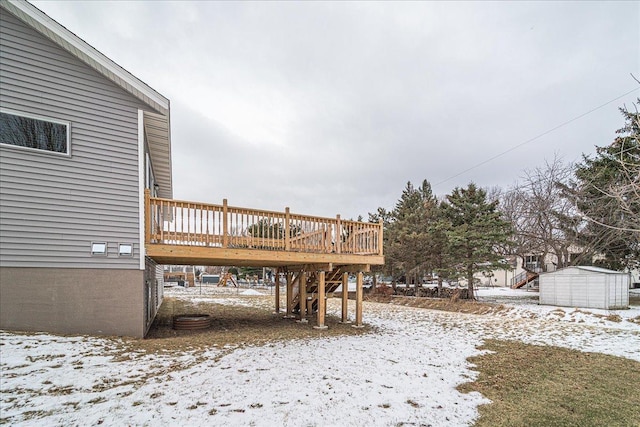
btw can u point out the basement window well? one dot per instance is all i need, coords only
(99, 248)
(125, 249)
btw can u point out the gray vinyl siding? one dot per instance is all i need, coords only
(51, 206)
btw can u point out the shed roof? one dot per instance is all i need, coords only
(588, 268)
(159, 142)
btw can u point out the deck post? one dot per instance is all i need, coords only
(359, 281)
(147, 215)
(381, 238)
(302, 293)
(277, 290)
(289, 314)
(287, 229)
(345, 298)
(225, 224)
(338, 235)
(322, 303)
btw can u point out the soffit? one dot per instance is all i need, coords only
(158, 136)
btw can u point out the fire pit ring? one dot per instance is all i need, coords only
(191, 322)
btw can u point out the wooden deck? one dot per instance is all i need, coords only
(191, 233)
(316, 254)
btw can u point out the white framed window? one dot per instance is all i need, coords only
(99, 248)
(125, 249)
(29, 132)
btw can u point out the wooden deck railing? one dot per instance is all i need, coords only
(174, 222)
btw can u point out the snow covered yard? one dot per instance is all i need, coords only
(404, 373)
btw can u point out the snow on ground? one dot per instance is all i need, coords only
(404, 373)
(252, 292)
(524, 304)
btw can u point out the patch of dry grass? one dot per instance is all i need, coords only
(231, 326)
(614, 318)
(458, 306)
(549, 386)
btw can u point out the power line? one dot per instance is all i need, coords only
(529, 183)
(534, 138)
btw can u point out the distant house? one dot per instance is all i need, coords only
(525, 270)
(589, 287)
(80, 140)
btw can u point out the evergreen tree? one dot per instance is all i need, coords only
(387, 268)
(270, 229)
(476, 231)
(606, 194)
(266, 228)
(440, 260)
(408, 242)
(415, 239)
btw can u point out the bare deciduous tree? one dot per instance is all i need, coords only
(539, 212)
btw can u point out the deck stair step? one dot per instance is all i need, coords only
(523, 278)
(332, 280)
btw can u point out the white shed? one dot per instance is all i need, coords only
(589, 287)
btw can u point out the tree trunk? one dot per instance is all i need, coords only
(470, 283)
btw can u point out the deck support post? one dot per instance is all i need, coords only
(289, 314)
(345, 298)
(302, 293)
(322, 303)
(277, 290)
(359, 281)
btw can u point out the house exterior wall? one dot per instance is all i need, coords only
(160, 281)
(73, 301)
(53, 206)
(153, 291)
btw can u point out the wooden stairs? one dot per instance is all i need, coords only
(523, 278)
(333, 279)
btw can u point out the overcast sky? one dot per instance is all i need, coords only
(332, 107)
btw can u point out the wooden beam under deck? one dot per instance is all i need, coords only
(203, 255)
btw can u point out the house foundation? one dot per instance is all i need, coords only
(74, 301)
